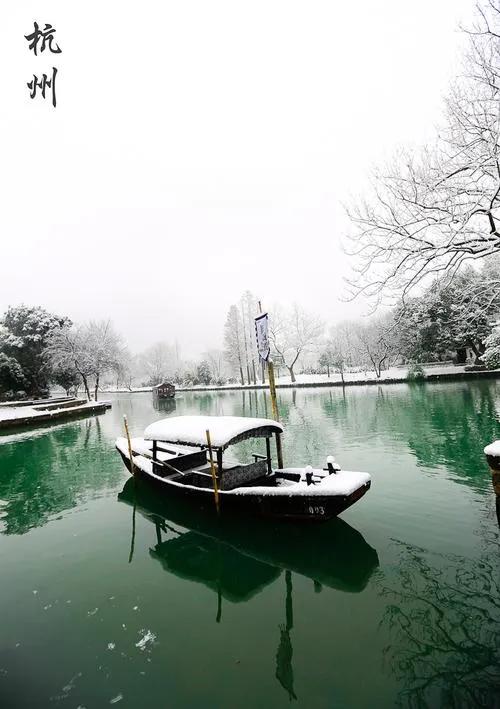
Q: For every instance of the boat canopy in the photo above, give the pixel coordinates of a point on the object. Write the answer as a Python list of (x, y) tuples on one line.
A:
[(224, 430)]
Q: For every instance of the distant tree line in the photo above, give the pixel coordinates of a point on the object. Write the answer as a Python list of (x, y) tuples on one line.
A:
[(452, 319)]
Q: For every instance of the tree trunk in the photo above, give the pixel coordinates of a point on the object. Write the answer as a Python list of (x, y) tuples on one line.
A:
[(241, 375), (86, 386), (474, 349), (253, 372), (96, 387), (292, 374), (342, 377), (328, 370)]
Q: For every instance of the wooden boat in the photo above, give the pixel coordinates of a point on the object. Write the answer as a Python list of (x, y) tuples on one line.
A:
[(173, 456), (165, 390)]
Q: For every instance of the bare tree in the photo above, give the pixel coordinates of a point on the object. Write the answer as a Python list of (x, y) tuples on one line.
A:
[(159, 362), (92, 349), (376, 343), (432, 210), (293, 333), (104, 349), (215, 359), (339, 350)]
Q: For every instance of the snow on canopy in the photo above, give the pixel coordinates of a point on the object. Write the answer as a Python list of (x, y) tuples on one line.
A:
[(191, 430)]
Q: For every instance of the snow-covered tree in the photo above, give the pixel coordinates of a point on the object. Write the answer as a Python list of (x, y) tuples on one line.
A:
[(249, 310), (233, 342), (11, 376), (376, 343), (449, 315), (93, 349), (293, 332), (66, 376), (159, 362), (215, 359), (23, 336), (432, 210), (203, 373), (338, 352), (491, 356)]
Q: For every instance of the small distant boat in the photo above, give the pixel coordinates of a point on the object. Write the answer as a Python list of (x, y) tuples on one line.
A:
[(173, 455), (165, 390)]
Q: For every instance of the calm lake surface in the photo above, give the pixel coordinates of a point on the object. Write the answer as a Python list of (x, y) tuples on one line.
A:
[(109, 596)]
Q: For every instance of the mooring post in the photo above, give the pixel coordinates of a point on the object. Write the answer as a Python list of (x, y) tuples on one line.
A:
[(129, 444), (212, 470)]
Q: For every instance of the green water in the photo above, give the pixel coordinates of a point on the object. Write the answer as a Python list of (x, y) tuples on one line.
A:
[(109, 595)]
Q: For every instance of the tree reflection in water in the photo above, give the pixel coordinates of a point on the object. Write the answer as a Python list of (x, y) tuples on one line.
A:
[(49, 473), (443, 617)]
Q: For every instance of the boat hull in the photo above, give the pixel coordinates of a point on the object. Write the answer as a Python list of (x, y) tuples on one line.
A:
[(293, 507)]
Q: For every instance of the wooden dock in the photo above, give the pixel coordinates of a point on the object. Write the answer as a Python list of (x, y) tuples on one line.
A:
[(43, 411)]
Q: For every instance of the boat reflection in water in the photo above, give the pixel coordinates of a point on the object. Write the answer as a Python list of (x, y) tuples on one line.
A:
[(168, 406), (237, 560)]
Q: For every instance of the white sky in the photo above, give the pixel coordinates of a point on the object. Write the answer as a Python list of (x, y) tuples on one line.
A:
[(200, 148)]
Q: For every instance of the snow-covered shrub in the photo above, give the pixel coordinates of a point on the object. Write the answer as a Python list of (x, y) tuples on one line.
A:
[(219, 381), (415, 372), (491, 356)]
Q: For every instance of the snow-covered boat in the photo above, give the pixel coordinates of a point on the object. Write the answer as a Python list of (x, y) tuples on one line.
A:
[(173, 454)]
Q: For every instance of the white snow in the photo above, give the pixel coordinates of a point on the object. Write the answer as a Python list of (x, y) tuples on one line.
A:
[(192, 429), (22, 412), (343, 483), (148, 637), (15, 412), (493, 449)]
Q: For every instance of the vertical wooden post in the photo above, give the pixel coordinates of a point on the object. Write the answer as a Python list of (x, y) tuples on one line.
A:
[(219, 465), (272, 389), (212, 470), (279, 451), (268, 455), (129, 445)]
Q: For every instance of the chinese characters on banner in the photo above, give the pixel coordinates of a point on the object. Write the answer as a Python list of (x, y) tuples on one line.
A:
[(40, 40), (261, 332)]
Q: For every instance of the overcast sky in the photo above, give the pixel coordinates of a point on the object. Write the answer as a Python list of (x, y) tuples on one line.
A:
[(199, 149)]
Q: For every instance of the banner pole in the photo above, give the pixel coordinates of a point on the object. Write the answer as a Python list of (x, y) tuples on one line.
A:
[(274, 398)]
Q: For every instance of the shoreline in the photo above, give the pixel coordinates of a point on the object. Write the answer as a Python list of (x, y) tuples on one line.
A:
[(429, 378)]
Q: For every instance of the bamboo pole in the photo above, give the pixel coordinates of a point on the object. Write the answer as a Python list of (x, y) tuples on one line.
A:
[(272, 389), (212, 470), (274, 404), (127, 433)]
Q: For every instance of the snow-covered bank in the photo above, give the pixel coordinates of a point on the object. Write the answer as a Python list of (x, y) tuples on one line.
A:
[(30, 415), (389, 376)]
